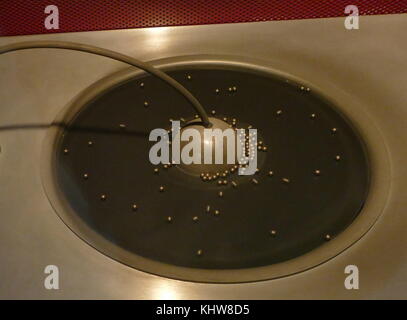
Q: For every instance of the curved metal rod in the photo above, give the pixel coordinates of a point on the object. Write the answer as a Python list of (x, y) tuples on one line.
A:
[(116, 56)]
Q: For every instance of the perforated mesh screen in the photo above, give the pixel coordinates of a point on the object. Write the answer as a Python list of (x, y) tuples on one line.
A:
[(18, 17)]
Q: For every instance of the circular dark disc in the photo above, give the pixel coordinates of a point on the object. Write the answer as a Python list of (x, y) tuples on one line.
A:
[(285, 215)]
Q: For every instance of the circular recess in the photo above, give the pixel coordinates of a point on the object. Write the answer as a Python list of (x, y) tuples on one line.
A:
[(312, 181)]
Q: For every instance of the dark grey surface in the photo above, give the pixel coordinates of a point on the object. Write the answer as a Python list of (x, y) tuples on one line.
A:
[(302, 212)]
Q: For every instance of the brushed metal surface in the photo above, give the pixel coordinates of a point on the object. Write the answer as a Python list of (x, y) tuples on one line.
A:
[(364, 70)]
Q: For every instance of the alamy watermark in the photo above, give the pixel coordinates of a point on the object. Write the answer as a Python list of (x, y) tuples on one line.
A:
[(352, 20), (190, 145), (352, 280), (52, 19), (51, 281)]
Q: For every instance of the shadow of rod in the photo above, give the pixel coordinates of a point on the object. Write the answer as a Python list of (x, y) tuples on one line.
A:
[(75, 128)]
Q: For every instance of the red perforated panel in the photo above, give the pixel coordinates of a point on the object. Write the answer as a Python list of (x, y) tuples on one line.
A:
[(19, 17)]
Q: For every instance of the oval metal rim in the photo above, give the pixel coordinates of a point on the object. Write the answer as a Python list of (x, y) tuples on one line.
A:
[(373, 208)]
